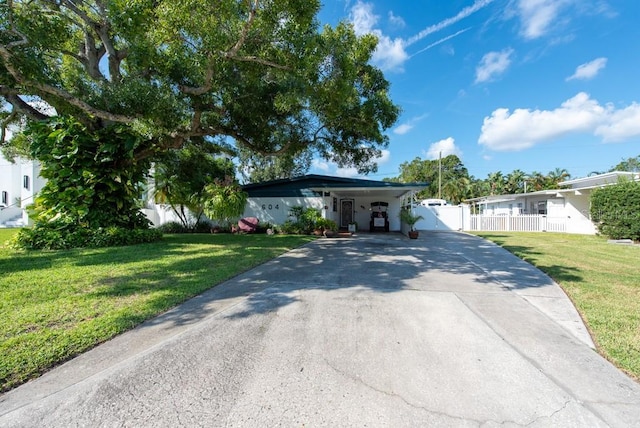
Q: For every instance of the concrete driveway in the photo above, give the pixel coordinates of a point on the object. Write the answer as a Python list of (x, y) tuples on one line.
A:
[(374, 330)]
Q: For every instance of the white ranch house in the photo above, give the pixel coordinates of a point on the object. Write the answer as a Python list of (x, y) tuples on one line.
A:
[(368, 203), (350, 200), (566, 209)]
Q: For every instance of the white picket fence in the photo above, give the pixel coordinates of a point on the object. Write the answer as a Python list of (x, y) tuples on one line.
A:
[(518, 223)]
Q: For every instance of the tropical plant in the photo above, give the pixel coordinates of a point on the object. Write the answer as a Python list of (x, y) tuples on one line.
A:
[(181, 177), (515, 181), (225, 201), (557, 176), (630, 164), (496, 182), (447, 177), (93, 178), (408, 217)]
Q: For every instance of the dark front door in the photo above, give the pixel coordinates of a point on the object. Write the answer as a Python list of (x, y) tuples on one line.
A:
[(346, 212)]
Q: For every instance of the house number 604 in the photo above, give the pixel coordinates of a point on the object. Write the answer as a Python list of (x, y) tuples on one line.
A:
[(270, 206)]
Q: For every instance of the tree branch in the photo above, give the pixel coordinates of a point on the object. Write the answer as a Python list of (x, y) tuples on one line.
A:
[(102, 29), (23, 39), (245, 30), (3, 126), (19, 105)]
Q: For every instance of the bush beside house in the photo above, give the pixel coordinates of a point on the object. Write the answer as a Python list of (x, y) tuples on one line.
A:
[(616, 210)]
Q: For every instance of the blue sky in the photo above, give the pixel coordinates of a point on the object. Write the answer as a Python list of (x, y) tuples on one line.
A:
[(505, 84)]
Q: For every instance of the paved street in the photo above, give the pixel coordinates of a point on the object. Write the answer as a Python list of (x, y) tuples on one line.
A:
[(375, 330)]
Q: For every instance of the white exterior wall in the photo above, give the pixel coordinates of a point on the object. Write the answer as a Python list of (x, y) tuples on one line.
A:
[(276, 210), (577, 209), (12, 182), (443, 217), (555, 208)]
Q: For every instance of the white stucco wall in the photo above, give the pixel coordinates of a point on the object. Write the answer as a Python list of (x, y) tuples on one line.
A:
[(276, 210), (456, 217), (577, 210), (12, 181)]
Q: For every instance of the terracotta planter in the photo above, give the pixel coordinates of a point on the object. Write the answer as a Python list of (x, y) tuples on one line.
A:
[(413, 234)]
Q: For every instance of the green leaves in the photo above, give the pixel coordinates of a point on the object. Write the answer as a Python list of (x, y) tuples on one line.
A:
[(92, 178), (262, 73), (616, 210), (225, 200)]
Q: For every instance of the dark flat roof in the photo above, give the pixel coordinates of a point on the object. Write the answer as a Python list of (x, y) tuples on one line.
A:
[(311, 185)]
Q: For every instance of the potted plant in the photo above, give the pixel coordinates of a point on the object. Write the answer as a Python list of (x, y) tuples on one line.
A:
[(353, 227), (328, 227), (406, 216)]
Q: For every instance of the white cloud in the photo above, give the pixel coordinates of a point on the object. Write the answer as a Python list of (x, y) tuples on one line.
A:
[(537, 16), (589, 70), (346, 172), (320, 165), (396, 21), (390, 54), (403, 129), (621, 125), (444, 147), (524, 128), (408, 125), (493, 64), (363, 18), (331, 168)]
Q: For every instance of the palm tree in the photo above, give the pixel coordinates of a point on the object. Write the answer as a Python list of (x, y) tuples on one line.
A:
[(456, 189), (496, 182), (515, 181), (556, 176), (538, 181)]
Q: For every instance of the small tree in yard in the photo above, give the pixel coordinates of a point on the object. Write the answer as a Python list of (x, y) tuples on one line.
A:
[(616, 210), (226, 201), (181, 179)]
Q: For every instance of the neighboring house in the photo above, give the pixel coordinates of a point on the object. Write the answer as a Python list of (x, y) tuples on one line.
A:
[(343, 200), (566, 209), (19, 182)]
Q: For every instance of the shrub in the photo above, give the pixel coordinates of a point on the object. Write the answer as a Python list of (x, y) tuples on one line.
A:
[(326, 224), (172, 227), (616, 210), (61, 235), (292, 228)]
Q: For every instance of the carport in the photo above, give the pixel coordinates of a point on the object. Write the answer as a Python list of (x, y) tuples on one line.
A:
[(347, 201)]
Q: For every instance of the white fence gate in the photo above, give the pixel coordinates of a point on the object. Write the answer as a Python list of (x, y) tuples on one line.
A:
[(518, 223)]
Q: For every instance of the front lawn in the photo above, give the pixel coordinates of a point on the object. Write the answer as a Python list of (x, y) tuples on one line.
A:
[(602, 279), (55, 305)]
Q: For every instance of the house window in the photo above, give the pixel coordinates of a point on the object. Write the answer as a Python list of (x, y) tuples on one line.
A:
[(25, 182), (542, 207), (5, 198)]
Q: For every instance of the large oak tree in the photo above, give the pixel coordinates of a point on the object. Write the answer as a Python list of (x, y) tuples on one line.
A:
[(257, 74)]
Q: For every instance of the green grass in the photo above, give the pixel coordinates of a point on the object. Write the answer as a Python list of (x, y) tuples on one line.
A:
[(602, 280), (55, 305)]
